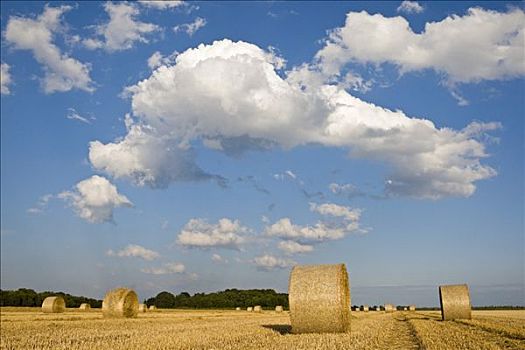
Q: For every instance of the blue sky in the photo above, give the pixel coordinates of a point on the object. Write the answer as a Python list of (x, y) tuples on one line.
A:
[(202, 146)]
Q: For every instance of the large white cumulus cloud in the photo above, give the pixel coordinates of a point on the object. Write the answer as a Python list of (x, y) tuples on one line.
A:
[(232, 95)]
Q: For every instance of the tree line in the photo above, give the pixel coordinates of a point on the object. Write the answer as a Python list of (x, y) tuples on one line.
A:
[(28, 297), (227, 299)]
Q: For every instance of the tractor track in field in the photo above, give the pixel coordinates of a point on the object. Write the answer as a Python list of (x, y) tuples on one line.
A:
[(492, 329)]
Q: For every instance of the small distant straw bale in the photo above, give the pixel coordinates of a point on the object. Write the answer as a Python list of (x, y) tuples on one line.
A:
[(85, 307), (412, 308), (249, 309), (378, 308), (319, 297), (405, 309), (364, 308), (54, 305), (279, 308), (237, 308), (143, 308), (257, 308), (120, 302), (389, 308), (152, 308), (455, 302)]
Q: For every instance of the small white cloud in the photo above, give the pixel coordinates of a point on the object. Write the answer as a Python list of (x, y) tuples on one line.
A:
[(94, 199), (5, 79), (190, 28), (72, 114), (62, 73), (270, 262), (122, 30), (332, 209), (291, 247), (346, 189), (410, 7), (198, 233), (162, 4), (320, 232), (218, 259), (134, 250), (169, 268)]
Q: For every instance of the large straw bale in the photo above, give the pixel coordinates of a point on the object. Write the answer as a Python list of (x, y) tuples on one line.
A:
[(279, 308), (85, 307), (143, 308), (120, 302), (455, 302), (319, 297), (54, 304)]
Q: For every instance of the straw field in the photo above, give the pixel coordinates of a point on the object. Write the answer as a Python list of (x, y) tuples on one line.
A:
[(30, 328)]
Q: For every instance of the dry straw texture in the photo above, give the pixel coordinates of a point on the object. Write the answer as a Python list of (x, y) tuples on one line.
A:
[(278, 308), (257, 308), (53, 305), (319, 297), (455, 302), (85, 307), (412, 308), (152, 308), (120, 302), (249, 309), (143, 308)]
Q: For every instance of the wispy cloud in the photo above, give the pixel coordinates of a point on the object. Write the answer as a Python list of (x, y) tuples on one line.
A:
[(191, 28), (135, 250), (72, 114)]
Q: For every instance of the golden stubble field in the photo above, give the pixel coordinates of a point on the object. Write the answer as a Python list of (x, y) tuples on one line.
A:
[(29, 328)]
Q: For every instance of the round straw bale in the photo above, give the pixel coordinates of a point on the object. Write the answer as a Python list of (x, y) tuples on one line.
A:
[(455, 302), (389, 308), (54, 305), (279, 308), (120, 302), (249, 309), (378, 308), (319, 297), (85, 307), (143, 308), (152, 308), (237, 308), (365, 308), (412, 308), (257, 308)]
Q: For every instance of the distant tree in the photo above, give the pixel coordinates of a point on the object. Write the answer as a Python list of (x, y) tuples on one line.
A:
[(164, 300)]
